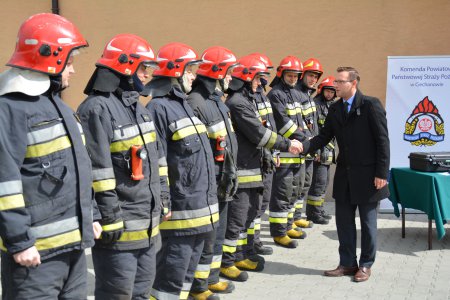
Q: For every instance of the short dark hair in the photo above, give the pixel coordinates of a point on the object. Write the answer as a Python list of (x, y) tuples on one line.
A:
[(352, 73)]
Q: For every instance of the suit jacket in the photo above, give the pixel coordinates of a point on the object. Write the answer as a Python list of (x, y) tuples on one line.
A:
[(363, 144)]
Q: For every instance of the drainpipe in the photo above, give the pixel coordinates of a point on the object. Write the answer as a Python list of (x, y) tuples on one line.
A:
[(55, 7)]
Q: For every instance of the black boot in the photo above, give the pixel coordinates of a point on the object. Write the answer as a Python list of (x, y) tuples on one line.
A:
[(263, 250), (313, 214)]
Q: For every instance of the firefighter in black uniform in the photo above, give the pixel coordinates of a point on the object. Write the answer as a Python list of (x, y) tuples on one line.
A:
[(121, 138), (268, 164), (252, 136), (326, 93), (312, 70), (213, 78), (285, 100), (46, 216), (193, 210)]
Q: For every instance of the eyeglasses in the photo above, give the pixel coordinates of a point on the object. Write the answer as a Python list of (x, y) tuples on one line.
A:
[(341, 81)]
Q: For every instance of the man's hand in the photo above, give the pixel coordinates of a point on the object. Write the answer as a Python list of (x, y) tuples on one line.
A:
[(28, 258), (379, 183), (296, 147), (167, 216), (97, 230)]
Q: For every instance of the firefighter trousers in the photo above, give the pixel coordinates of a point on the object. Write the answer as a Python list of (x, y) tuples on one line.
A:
[(124, 274), (241, 212), (63, 276), (319, 184), (176, 264), (208, 267), (255, 227), (285, 189), (305, 186)]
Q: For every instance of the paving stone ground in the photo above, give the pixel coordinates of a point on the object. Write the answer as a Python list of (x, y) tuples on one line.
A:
[(404, 268)]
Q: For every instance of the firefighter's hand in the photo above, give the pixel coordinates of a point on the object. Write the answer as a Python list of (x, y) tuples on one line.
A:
[(167, 216), (296, 147), (97, 230), (380, 183), (268, 165), (277, 161), (112, 232), (28, 258)]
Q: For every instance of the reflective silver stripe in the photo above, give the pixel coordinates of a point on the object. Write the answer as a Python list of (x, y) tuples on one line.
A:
[(286, 127), (196, 213), (10, 187), (162, 162), (55, 228), (46, 134), (278, 214), (105, 173), (250, 172), (135, 225), (265, 138), (242, 235), (252, 225), (216, 127), (164, 296), (289, 155), (257, 221), (231, 243), (314, 198), (80, 127), (147, 127), (185, 122), (231, 124), (187, 286), (217, 258), (299, 201), (292, 209), (203, 268), (125, 133)]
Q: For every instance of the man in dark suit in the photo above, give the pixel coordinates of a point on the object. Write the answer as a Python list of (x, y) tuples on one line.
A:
[(359, 124)]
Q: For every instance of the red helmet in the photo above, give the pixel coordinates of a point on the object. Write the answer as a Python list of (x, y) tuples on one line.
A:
[(216, 61), (327, 83), (173, 58), (289, 63), (125, 52), (312, 65), (44, 44), (265, 59), (249, 66)]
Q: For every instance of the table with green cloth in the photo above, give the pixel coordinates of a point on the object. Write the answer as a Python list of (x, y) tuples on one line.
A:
[(425, 191)]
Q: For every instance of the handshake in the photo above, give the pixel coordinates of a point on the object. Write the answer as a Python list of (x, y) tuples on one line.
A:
[(296, 147)]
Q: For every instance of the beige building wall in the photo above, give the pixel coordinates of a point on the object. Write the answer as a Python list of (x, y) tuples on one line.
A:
[(359, 33)]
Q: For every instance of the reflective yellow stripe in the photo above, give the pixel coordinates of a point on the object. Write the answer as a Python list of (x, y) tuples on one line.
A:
[(299, 205), (292, 160), (214, 135), (2, 247), (272, 140), (251, 231), (58, 240), (201, 274), (48, 148), (247, 179), (129, 236), (308, 111), (313, 202), (216, 264), (125, 145), (104, 185), (10, 202), (163, 171), (228, 249), (184, 295), (290, 131), (257, 226), (242, 242), (191, 223), (83, 139), (155, 231), (290, 215), (150, 137), (114, 226), (278, 220), (187, 131)]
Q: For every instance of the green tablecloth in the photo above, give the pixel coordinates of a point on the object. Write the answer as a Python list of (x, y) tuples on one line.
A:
[(428, 192)]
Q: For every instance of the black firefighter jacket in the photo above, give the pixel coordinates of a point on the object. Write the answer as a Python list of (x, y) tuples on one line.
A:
[(190, 162), (113, 122), (46, 194), (287, 112), (363, 148), (252, 136), (206, 102)]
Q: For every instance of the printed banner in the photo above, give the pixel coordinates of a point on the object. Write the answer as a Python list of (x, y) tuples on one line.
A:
[(417, 105), (417, 108)]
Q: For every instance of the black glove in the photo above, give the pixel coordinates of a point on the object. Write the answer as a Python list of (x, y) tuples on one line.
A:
[(228, 183), (112, 232), (268, 164)]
